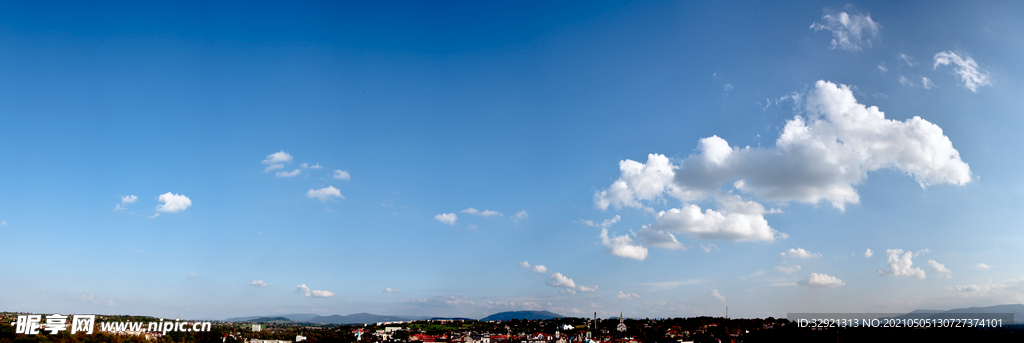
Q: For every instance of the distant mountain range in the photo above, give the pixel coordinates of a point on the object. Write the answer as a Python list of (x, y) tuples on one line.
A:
[(522, 315), (368, 318)]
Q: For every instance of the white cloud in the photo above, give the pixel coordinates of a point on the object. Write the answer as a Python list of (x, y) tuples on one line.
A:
[(258, 283), (128, 199), (485, 213), (277, 157), (173, 203), (734, 221), (819, 156), (849, 32), (982, 266), (900, 264), (922, 251), (906, 60), (926, 83), (968, 70), (708, 248), (821, 280), (315, 166), (623, 246), (537, 268), (627, 296), (390, 290), (559, 280), (521, 215), (302, 289), (447, 218), (322, 294), (869, 253), (325, 193), (342, 175), (639, 182), (882, 67), (799, 253), (273, 167), (3, 223), (714, 294), (288, 174), (488, 213), (788, 270), (940, 268)]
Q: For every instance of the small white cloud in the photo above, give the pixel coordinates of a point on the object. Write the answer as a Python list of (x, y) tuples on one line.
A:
[(906, 60), (537, 268), (883, 68), (972, 76), (342, 175), (821, 280), (520, 215), (325, 193), (447, 218), (488, 213), (926, 83), (315, 166), (788, 270), (129, 199), (485, 213), (390, 290), (869, 253), (303, 290), (258, 283), (922, 251), (708, 248), (799, 253), (714, 294), (627, 296), (173, 203), (288, 174), (940, 269), (154, 215), (3, 223), (277, 157), (727, 88), (900, 264), (982, 266), (273, 167), (623, 246), (192, 276), (559, 280), (849, 32)]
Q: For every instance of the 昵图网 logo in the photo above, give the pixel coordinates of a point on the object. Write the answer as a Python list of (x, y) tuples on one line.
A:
[(55, 323)]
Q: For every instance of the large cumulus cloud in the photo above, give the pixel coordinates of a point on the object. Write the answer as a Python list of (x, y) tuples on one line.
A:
[(821, 155)]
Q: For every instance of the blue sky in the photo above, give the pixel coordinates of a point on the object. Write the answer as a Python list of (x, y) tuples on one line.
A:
[(662, 159)]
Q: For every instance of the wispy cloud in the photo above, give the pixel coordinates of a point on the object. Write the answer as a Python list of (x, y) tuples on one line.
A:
[(971, 75), (849, 32)]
